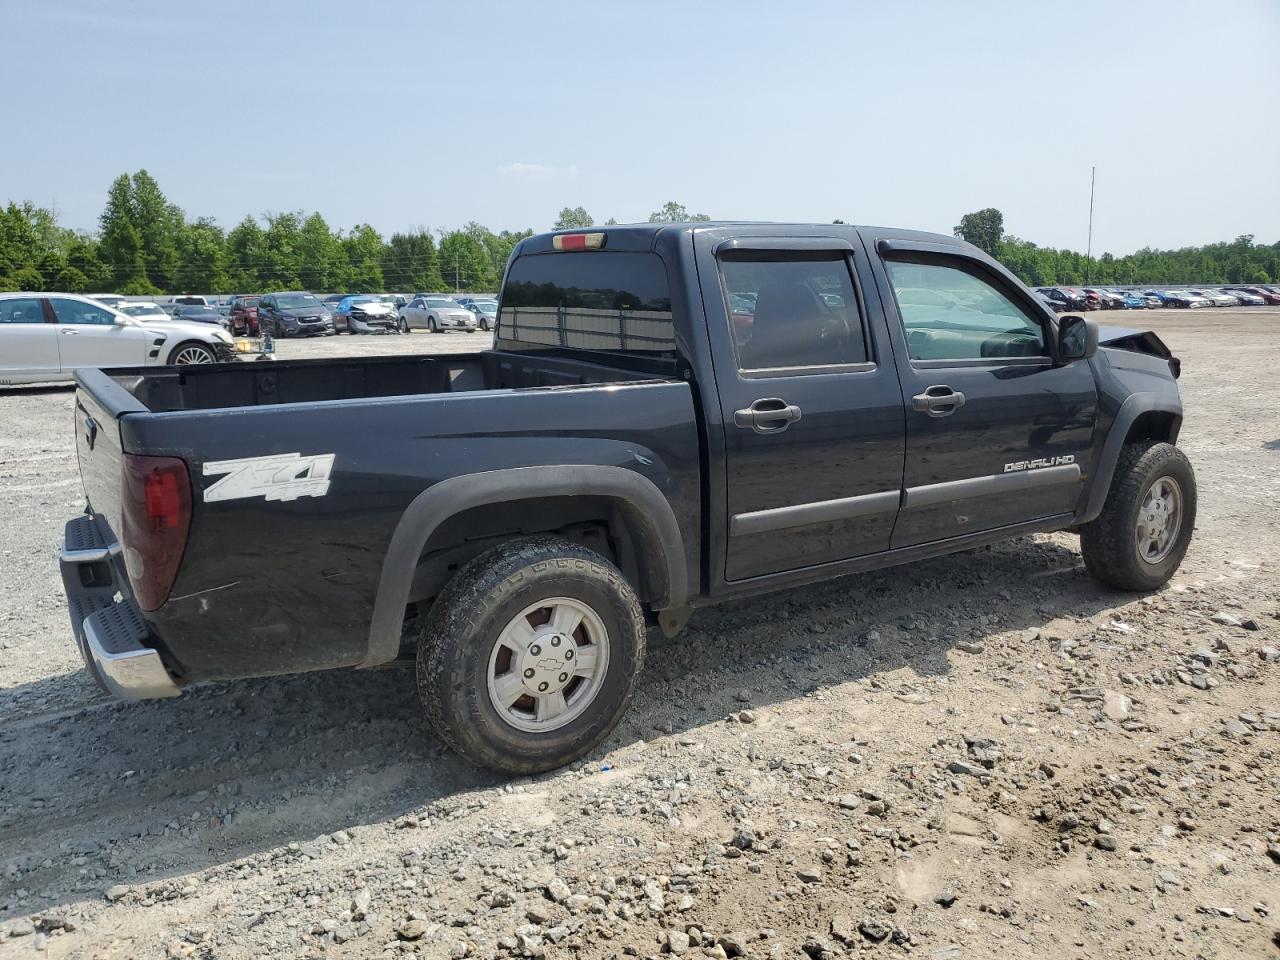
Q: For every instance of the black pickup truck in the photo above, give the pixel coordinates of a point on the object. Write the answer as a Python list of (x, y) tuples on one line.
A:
[(672, 416)]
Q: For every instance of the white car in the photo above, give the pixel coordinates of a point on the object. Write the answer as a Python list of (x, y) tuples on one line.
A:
[(145, 311), (46, 336), (436, 314), (1217, 298)]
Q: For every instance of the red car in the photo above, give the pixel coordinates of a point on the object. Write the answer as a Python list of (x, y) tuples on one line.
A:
[(244, 316), (1267, 294)]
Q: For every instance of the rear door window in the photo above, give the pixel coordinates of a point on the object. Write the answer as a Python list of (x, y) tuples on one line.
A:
[(589, 300), (793, 310), (21, 310)]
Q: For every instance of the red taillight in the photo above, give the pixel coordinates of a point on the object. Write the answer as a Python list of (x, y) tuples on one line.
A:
[(155, 516), (578, 241)]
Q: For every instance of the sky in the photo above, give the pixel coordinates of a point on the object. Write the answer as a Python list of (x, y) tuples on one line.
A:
[(412, 113)]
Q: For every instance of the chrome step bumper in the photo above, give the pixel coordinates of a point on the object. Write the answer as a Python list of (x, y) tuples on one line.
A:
[(109, 630)]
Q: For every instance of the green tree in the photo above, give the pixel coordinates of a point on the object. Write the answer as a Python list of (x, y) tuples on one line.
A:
[(279, 268), (672, 212), (573, 217), (465, 264), (364, 257), (410, 262), (202, 258), (159, 223), (322, 259), (246, 252), (983, 228)]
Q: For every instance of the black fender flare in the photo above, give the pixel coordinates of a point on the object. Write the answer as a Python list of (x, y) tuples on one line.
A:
[(646, 510), (1135, 406)]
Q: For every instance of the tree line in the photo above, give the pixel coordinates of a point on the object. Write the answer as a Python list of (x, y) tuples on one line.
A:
[(1237, 261), (145, 246)]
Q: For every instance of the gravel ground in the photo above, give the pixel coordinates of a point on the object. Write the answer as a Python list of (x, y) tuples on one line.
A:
[(981, 755)]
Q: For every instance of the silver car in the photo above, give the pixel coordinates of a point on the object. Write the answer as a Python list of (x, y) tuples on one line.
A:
[(436, 314)]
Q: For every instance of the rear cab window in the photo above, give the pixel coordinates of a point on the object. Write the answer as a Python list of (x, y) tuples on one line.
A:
[(612, 303)]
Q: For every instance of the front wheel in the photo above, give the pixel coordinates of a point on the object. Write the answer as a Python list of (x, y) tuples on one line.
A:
[(404, 325), (431, 325), (188, 353), (529, 657), (1142, 534)]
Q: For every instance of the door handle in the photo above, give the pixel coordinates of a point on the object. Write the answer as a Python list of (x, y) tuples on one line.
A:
[(69, 333), (767, 415), (938, 401)]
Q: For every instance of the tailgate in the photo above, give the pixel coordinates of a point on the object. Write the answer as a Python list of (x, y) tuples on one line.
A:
[(100, 403)]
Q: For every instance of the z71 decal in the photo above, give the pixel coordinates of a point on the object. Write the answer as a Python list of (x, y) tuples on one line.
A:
[(283, 476), (1037, 464)]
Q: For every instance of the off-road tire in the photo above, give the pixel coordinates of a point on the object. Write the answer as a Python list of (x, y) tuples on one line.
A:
[(459, 631), (1109, 543)]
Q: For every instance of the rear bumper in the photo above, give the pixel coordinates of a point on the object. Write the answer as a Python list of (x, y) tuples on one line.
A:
[(114, 641)]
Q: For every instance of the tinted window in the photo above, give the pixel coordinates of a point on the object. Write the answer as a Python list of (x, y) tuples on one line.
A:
[(24, 310), (75, 311), (951, 314), (793, 310), (614, 302)]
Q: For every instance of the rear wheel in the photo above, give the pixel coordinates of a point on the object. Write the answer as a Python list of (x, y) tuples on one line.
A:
[(530, 656), (188, 353), (1142, 534)]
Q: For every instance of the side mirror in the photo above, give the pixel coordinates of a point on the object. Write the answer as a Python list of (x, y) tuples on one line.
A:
[(1077, 338)]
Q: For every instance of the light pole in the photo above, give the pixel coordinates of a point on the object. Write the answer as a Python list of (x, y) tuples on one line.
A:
[(1088, 254)]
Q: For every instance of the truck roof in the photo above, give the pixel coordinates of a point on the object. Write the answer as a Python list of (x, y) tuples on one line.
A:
[(644, 236)]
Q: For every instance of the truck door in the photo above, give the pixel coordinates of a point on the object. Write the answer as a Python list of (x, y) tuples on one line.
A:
[(998, 432), (811, 410)]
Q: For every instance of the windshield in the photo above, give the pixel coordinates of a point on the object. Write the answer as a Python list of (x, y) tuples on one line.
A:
[(440, 302), (488, 306), (296, 301), (140, 310)]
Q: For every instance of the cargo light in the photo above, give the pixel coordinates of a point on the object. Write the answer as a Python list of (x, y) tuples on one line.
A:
[(578, 241), (155, 516)]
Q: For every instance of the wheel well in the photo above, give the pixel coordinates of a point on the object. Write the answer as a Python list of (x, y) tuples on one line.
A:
[(599, 523), (1154, 425)]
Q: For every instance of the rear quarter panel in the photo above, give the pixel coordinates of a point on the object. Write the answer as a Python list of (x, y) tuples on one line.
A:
[(281, 586)]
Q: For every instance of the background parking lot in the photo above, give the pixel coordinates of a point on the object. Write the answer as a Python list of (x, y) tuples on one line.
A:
[(983, 754)]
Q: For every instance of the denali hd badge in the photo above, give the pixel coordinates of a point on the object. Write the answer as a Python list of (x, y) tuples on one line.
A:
[(283, 476), (1040, 462)]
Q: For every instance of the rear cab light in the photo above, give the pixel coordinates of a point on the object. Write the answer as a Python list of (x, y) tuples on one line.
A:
[(155, 518), (578, 241)]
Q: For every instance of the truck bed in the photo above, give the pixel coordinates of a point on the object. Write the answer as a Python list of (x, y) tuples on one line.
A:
[(163, 389)]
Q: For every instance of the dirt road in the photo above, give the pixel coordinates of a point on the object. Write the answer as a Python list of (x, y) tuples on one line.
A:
[(981, 755)]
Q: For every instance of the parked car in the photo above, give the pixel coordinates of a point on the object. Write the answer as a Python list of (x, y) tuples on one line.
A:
[(436, 314), (485, 311), (365, 313), (1136, 301), (294, 313), (144, 311), (48, 336), (1106, 299), (190, 300), (1246, 298), (520, 515), (1262, 293), (1063, 302), (1178, 299), (1215, 298), (243, 315), (196, 313)]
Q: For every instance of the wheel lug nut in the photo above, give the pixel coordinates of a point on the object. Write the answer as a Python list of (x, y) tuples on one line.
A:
[(564, 677), (542, 687), (568, 654), (535, 649), (555, 641), (529, 674)]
